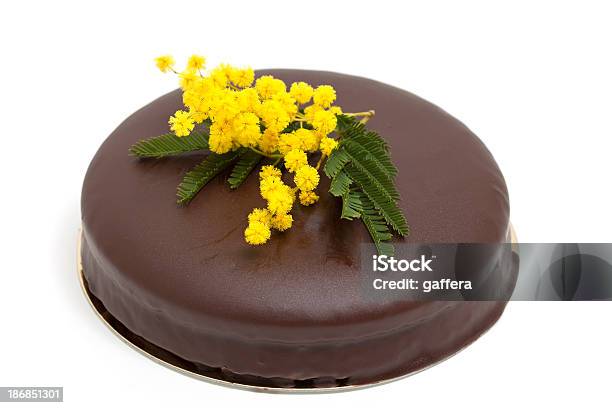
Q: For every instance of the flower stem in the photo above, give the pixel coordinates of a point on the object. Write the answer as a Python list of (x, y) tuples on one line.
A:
[(368, 114), (318, 166), (271, 156)]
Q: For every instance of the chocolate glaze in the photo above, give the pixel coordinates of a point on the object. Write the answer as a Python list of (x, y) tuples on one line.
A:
[(185, 280)]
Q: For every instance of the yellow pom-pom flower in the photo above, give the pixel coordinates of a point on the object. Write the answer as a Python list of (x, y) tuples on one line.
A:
[(308, 198), (267, 86), (269, 141), (224, 107), (220, 139), (274, 116), (301, 92), (328, 145), (280, 200), (306, 178), (310, 111), (288, 142), (336, 110), (246, 129), (165, 63), (197, 116), (324, 96), (248, 137), (257, 233), (287, 103), (242, 77), (260, 215), (270, 184), (281, 222), (269, 171), (181, 123), (295, 159), (219, 76), (187, 79), (324, 122), (308, 139), (248, 100), (196, 62)]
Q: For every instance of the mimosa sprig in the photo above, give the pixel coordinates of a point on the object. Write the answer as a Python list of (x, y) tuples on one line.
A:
[(241, 122)]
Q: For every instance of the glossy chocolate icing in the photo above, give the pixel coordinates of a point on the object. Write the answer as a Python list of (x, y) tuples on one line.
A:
[(291, 310)]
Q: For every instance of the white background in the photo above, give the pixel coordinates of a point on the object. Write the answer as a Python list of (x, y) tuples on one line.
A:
[(532, 79)]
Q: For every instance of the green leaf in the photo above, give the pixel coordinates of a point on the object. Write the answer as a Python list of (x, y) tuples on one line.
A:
[(245, 165), (371, 151), (368, 141), (355, 134), (380, 199), (376, 226), (350, 127), (169, 145), (364, 156), (362, 173), (340, 184), (371, 167), (352, 206), (196, 178), (336, 162)]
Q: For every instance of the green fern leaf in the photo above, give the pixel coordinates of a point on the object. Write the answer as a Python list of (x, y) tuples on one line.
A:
[(169, 145), (371, 151), (351, 205), (364, 157), (376, 226), (196, 178), (380, 199), (340, 184), (371, 167), (353, 131), (350, 127), (243, 168), (366, 142), (344, 123), (336, 161)]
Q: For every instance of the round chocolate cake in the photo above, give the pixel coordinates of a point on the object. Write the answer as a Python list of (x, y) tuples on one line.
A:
[(183, 284)]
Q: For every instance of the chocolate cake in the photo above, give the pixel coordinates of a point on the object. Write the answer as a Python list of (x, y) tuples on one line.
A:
[(182, 283)]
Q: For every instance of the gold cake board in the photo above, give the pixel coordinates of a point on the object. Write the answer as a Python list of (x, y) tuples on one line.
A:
[(101, 312)]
